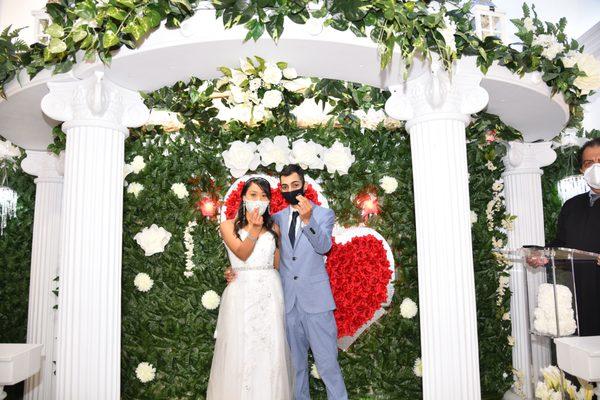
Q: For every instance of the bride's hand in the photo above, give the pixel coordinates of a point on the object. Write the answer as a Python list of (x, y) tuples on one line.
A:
[(254, 219)]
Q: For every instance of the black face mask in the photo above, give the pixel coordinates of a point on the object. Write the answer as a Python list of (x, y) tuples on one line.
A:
[(290, 197)]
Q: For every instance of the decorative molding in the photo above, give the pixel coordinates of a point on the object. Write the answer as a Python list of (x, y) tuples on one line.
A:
[(528, 158), (95, 101), (44, 165), (439, 92)]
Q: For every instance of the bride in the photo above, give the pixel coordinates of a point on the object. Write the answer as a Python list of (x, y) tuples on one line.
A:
[(251, 358)]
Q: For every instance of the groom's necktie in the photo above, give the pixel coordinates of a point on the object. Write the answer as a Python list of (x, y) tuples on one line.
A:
[(292, 233)]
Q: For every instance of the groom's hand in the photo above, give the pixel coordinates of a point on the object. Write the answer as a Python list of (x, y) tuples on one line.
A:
[(229, 275), (304, 208)]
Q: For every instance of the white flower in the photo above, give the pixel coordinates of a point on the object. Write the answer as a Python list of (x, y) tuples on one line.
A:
[(246, 66), (448, 32), (272, 98), (238, 94), (298, 85), (135, 188), (259, 113), (238, 77), (210, 300), (310, 113), (180, 190), (290, 73), (589, 65), (497, 243), (145, 372), (143, 282), (408, 308), (255, 84), (473, 217), (370, 119), (338, 158), (127, 169), (314, 372), (307, 154), (433, 7), (153, 239), (498, 185), (528, 24), (225, 114), (241, 157), (8, 150), (272, 74), (388, 184), (549, 43), (242, 113), (511, 340), (275, 151), (490, 165), (506, 316), (418, 367), (167, 119), (137, 164), (188, 274)]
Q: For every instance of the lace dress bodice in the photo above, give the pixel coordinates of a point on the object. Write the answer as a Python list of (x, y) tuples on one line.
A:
[(262, 256)]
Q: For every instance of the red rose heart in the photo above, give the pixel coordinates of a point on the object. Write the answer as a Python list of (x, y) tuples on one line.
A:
[(361, 269)]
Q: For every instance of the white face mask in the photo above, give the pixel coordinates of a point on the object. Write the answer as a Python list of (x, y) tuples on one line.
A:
[(261, 205), (592, 176)]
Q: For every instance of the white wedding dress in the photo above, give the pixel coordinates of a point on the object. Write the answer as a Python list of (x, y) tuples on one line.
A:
[(251, 359)]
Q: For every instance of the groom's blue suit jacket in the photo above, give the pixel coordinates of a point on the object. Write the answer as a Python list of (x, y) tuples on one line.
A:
[(302, 267)]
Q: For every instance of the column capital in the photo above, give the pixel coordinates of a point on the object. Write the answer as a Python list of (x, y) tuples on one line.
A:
[(94, 101), (46, 166), (527, 158), (439, 94)]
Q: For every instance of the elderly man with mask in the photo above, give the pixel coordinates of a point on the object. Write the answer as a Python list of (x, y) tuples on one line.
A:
[(579, 228)]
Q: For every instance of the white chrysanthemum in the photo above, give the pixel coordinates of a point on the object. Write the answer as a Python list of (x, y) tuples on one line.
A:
[(298, 85), (241, 157), (180, 190), (388, 184), (8, 150), (276, 151), (153, 239), (272, 98), (307, 154), (210, 300), (370, 119), (137, 164), (418, 367), (314, 372), (338, 158), (528, 24), (473, 217), (290, 73), (143, 282), (145, 372), (272, 74), (310, 113), (408, 308), (135, 188)]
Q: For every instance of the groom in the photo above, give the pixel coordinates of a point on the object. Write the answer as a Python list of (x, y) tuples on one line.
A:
[(305, 239)]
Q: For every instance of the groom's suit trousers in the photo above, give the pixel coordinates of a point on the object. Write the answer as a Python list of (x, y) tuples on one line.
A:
[(318, 332)]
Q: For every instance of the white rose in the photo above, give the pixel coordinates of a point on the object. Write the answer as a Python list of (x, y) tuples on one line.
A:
[(135, 188), (370, 119), (290, 73), (590, 65), (242, 113), (418, 367), (238, 94), (275, 151), (388, 184), (153, 239), (180, 190), (298, 85), (259, 113), (307, 154), (255, 84), (210, 300), (314, 372), (240, 158), (137, 164), (408, 308), (272, 98), (272, 74), (528, 24), (238, 77), (338, 158), (145, 372), (143, 282), (310, 113), (8, 150)]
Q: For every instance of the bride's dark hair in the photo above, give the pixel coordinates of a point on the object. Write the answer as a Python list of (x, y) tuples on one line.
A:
[(241, 221)]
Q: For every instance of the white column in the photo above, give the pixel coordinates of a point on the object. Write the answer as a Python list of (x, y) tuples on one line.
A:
[(523, 194), (44, 266), (437, 111), (96, 113)]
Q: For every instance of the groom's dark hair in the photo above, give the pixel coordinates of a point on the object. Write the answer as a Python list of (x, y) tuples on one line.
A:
[(293, 169)]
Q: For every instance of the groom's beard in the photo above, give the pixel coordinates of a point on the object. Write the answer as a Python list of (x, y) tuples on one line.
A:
[(290, 196)]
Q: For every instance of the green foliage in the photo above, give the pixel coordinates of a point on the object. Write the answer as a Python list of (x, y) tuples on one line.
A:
[(13, 56)]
